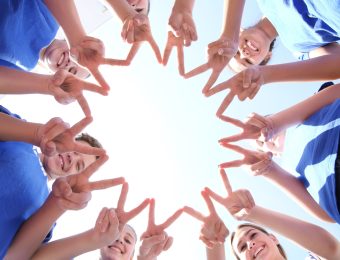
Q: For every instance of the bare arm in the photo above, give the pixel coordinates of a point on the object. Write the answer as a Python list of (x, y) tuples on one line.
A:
[(184, 5), (216, 253), (122, 8), (307, 235), (233, 10)]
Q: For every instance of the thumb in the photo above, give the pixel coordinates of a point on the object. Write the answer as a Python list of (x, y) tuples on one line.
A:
[(59, 77), (74, 53)]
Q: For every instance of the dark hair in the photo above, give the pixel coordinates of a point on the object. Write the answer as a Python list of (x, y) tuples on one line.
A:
[(266, 59), (139, 10), (326, 85), (84, 137), (281, 250)]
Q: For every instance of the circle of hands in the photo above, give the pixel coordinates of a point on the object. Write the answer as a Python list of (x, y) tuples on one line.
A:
[(56, 136)]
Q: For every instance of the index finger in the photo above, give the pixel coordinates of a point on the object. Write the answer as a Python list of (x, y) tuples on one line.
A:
[(194, 213), (92, 168), (87, 149), (99, 78), (208, 201), (123, 195), (155, 48), (171, 219), (225, 104), (151, 220), (226, 182), (236, 148), (133, 51), (84, 105), (212, 79), (167, 50), (200, 69), (79, 126), (180, 58), (134, 212), (103, 184)]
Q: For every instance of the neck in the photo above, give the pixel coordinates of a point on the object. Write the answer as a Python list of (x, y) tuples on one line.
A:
[(267, 27)]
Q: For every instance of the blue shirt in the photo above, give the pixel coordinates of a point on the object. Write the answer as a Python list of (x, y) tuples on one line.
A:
[(26, 26), (304, 25), (23, 187), (311, 148)]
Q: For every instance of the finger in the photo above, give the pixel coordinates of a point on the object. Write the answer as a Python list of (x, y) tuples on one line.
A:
[(94, 88), (218, 88), (223, 232), (254, 92), (207, 242), (232, 164), (103, 184), (200, 69), (180, 59), (151, 220), (49, 148), (115, 62), (99, 78), (84, 105), (87, 149), (226, 182), (155, 48), (236, 148), (212, 79), (208, 201), (80, 126), (247, 78), (172, 219), (130, 32), (215, 196), (54, 131), (133, 51), (168, 243), (149, 242), (250, 200), (105, 223), (233, 121), (225, 104), (93, 167), (194, 213), (245, 93), (100, 218), (69, 205), (61, 188), (134, 212), (167, 50), (122, 196), (96, 46), (78, 198)]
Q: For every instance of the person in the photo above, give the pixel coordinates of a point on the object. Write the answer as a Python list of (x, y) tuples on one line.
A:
[(23, 168), (182, 32), (311, 149)]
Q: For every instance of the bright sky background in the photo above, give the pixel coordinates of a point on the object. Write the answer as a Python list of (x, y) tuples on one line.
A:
[(161, 133)]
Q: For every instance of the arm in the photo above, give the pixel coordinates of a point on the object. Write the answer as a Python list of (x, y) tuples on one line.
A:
[(44, 218), (307, 235), (216, 253), (301, 111), (122, 8), (324, 66)]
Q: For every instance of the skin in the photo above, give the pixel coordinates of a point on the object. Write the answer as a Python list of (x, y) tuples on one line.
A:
[(122, 248), (64, 164), (250, 243), (141, 6), (57, 56)]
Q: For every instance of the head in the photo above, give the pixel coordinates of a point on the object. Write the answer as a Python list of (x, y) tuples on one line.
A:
[(141, 6), (57, 56), (253, 242), (255, 48), (326, 85), (123, 248), (70, 163)]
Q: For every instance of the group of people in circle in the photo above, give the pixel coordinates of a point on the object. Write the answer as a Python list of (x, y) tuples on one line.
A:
[(309, 28)]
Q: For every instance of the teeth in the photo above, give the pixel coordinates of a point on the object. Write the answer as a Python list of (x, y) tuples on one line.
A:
[(252, 46), (61, 162), (258, 251), (61, 59)]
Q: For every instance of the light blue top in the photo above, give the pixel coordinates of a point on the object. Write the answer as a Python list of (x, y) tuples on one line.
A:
[(304, 25), (26, 26), (311, 149), (23, 187)]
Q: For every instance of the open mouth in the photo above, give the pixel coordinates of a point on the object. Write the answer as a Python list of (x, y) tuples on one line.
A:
[(252, 46), (62, 162), (115, 248), (258, 251)]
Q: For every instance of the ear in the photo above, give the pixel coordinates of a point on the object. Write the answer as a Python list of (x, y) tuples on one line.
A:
[(274, 239)]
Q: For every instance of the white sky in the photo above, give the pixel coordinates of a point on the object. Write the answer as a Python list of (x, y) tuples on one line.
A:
[(161, 133)]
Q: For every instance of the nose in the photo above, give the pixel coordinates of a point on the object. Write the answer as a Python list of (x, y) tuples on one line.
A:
[(251, 244), (119, 241), (244, 53)]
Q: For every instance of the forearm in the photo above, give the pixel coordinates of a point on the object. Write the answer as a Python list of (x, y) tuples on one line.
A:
[(184, 5), (295, 189), (233, 10), (302, 110), (67, 248), (34, 230), (67, 16), (122, 8), (321, 68), (216, 253), (14, 129), (21, 82), (307, 235)]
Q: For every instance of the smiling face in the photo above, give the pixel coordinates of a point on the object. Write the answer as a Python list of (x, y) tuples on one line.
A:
[(65, 164), (57, 56), (251, 243), (253, 48), (121, 249), (141, 6)]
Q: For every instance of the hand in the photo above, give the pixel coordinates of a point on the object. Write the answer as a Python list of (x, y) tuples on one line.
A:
[(56, 136), (239, 203), (244, 84), (177, 42), (90, 53), (132, 53), (74, 191), (183, 26), (106, 229), (66, 88), (257, 162), (213, 229), (123, 216), (219, 54), (137, 29), (156, 239)]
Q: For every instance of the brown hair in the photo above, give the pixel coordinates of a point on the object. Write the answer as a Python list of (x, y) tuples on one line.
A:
[(281, 250), (84, 137)]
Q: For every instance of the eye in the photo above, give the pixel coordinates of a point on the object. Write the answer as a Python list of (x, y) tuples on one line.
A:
[(253, 235), (243, 247), (78, 167), (128, 241), (139, 10), (73, 70), (249, 61)]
